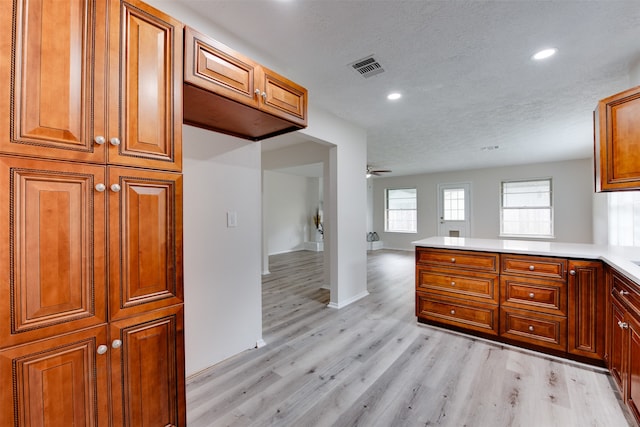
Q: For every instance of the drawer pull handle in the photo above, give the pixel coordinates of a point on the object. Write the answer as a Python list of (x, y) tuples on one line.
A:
[(453, 283), (572, 272), (532, 295), (453, 312), (623, 325), (453, 260), (102, 349), (531, 268), (623, 292), (531, 328)]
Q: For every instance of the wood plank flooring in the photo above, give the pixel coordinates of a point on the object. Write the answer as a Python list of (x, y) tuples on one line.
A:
[(371, 364)]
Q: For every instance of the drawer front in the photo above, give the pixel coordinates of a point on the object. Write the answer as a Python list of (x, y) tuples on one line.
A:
[(533, 266), (534, 328), (479, 286), (626, 292), (534, 294), (477, 317), (478, 261)]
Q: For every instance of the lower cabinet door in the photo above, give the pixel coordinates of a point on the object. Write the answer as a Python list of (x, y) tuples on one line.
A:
[(147, 369), (587, 307), (633, 371), (61, 381), (617, 343)]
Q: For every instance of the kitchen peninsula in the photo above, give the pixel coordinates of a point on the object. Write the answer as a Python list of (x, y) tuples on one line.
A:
[(578, 301)]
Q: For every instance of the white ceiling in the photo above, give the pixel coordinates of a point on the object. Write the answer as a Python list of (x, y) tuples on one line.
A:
[(463, 67)]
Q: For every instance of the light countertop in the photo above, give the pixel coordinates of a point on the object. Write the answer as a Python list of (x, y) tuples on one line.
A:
[(620, 257)]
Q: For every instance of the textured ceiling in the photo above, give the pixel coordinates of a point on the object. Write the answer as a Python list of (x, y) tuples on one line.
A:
[(463, 67)]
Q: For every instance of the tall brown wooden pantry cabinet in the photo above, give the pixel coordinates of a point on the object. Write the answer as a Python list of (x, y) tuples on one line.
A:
[(91, 303)]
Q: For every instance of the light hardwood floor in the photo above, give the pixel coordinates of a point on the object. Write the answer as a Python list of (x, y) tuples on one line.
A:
[(371, 364)]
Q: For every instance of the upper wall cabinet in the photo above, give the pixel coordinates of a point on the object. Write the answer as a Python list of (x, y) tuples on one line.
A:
[(94, 81), (617, 142), (227, 92)]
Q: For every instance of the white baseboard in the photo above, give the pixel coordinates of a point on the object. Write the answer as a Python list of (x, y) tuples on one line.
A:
[(314, 246), (374, 246), (260, 343), (348, 301)]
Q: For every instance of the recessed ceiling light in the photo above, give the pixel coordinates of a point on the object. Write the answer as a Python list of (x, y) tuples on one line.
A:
[(544, 54), (394, 95)]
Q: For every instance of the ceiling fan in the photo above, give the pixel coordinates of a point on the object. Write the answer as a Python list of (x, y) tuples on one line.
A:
[(377, 172)]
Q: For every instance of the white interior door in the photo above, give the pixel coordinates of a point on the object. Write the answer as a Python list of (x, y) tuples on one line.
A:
[(454, 219)]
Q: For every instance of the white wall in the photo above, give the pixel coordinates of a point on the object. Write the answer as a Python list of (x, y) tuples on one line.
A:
[(286, 209), (345, 205), (315, 202), (572, 200), (223, 311)]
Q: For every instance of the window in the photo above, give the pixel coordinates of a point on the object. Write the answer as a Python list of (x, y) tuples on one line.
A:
[(401, 210), (624, 218), (526, 208), (453, 209)]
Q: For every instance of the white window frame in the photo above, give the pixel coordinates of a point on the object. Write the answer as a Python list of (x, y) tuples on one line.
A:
[(550, 208), (386, 211)]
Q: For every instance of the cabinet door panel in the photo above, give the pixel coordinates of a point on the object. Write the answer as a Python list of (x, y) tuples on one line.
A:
[(633, 370), (57, 87), (149, 115), (145, 232), (284, 98), (617, 142), (587, 296), (148, 369), (54, 261), (56, 382), (617, 344)]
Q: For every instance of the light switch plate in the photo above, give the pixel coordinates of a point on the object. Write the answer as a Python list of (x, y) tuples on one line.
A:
[(232, 219)]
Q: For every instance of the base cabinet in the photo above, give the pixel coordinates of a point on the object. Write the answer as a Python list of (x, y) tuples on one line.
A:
[(458, 288), (545, 303), (623, 340)]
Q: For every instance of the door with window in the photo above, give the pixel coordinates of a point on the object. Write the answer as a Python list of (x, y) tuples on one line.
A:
[(453, 210)]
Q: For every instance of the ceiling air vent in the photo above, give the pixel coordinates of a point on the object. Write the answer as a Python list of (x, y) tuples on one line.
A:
[(367, 67)]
